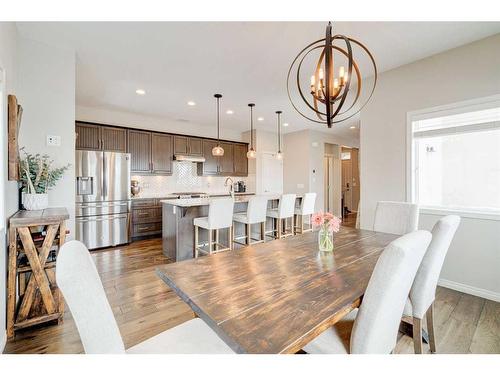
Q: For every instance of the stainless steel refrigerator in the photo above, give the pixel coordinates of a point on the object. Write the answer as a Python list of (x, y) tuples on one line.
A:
[(102, 207)]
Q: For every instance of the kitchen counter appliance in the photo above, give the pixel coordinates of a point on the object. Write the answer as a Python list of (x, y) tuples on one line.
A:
[(102, 207)]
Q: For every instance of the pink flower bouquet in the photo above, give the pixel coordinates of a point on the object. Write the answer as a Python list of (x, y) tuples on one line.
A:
[(327, 224)]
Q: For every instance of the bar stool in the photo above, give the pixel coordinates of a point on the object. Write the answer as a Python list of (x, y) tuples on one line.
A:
[(220, 216), (306, 209), (256, 214), (285, 210)]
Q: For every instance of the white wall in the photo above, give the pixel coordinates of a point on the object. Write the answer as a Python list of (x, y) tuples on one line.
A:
[(138, 121), (8, 37), (303, 161), (46, 89), (468, 72)]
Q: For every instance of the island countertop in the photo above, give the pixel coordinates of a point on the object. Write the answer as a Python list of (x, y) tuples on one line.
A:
[(195, 202)]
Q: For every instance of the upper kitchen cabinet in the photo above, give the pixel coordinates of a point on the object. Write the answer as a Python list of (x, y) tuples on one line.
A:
[(211, 165), (139, 147), (191, 146), (161, 153), (98, 137), (113, 139), (88, 136), (226, 161), (240, 159)]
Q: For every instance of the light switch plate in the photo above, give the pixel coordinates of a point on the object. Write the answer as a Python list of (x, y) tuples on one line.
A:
[(53, 140), (300, 186)]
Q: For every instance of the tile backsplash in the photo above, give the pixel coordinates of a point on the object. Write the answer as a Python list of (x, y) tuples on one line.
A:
[(185, 179)]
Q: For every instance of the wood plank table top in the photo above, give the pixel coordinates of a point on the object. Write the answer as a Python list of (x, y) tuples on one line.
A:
[(277, 296), (47, 216)]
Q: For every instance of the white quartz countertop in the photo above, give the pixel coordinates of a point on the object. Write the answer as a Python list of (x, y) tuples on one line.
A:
[(206, 201), (175, 196)]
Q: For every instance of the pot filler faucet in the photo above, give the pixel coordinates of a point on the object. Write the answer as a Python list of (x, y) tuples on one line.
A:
[(230, 186)]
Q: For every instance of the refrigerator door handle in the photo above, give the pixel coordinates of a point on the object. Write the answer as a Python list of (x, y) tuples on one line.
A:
[(105, 178)]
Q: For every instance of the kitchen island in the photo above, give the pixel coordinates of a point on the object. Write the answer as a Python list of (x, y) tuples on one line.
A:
[(178, 228)]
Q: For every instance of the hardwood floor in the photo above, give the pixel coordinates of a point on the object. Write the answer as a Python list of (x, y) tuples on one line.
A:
[(350, 220), (144, 306)]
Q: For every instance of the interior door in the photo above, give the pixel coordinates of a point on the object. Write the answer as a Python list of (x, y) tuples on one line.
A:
[(272, 174)]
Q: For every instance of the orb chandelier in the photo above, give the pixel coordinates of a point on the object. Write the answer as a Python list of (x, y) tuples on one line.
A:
[(218, 150), (332, 98), (279, 154), (251, 154)]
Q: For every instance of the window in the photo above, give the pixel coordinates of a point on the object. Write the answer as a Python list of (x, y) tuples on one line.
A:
[(455, 157)]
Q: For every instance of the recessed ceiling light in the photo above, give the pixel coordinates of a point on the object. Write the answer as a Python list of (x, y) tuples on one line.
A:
[(140, 92), (352, 127), (285, 124), (229, 112), (191, 103), (260, 118)]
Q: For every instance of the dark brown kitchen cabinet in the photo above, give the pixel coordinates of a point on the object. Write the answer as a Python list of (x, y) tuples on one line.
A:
[(226, 162), (184, 145), (88, 137), (240, 159), (113, 139), (161, 153), (139, 147), (211, 165), (97, 137)]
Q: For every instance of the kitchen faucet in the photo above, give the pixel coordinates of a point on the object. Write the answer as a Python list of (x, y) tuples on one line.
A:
[(230, 186)]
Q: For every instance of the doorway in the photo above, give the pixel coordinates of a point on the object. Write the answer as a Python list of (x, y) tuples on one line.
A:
[(332, 180), (350, 184)]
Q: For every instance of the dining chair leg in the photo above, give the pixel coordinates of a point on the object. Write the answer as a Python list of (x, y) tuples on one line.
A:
[(263, 231), (249, 233), (210, 240), (196, 241), (230, 235), (301, 223), (417, 335), (279, 228), (430, 327)]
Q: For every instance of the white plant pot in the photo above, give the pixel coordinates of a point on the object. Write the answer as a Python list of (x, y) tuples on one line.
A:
[(35, 201)]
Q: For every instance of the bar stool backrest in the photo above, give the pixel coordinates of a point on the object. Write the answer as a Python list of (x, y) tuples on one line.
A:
[(286, 207), (220, 213), (257, 208), (308, 202)]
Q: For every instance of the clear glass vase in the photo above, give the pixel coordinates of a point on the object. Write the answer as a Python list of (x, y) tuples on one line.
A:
[(325, 239)]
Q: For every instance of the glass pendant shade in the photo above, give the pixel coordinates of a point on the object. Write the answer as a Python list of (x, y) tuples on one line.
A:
[(218, 151), (251, 154), (279, 155)]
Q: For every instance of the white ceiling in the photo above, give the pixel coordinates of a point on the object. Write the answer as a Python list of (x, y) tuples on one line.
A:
[(245, 61)]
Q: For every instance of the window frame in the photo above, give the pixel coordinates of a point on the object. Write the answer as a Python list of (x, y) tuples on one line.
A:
[(444, 110)]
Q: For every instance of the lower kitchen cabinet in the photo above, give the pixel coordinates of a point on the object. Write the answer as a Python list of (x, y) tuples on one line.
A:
[(146, 217)]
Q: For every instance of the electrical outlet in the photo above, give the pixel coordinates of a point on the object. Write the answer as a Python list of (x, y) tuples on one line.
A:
[(53, 140)]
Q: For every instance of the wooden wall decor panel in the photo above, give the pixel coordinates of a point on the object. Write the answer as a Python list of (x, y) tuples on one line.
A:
[(15, 112)]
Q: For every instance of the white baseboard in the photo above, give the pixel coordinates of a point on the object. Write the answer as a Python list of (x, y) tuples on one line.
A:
[(488, 294), (3, 340)]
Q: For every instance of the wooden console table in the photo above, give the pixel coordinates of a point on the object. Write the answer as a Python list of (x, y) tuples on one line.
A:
[(32, 294)]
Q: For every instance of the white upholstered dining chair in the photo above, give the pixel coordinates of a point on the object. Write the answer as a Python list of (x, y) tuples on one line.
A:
[(396, 217), (79, 282), (373, 328), (420, 304)]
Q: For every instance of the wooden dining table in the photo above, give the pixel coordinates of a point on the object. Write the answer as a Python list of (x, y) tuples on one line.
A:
[(277, 296)]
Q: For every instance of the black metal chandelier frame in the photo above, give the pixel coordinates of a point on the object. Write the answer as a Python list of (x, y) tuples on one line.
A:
[(333, 98)]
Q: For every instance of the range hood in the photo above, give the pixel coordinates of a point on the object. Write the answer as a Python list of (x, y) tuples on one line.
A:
[(194, 159)]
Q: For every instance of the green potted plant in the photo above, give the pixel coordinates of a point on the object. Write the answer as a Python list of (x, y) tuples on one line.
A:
[(37, 177)]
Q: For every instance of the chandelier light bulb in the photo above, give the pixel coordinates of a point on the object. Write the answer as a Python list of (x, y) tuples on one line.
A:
[(279, 155), (251, 154)]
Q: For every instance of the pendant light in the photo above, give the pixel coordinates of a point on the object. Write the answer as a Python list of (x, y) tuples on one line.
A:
[(279, 154), (218, 150), (251, 153), (333, 97)]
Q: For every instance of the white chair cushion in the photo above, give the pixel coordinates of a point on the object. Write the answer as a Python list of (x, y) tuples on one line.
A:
[(191, 337), (336, 339), (298, 211), (396, 217), (201, 222), (274, 213), (240, 217)]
